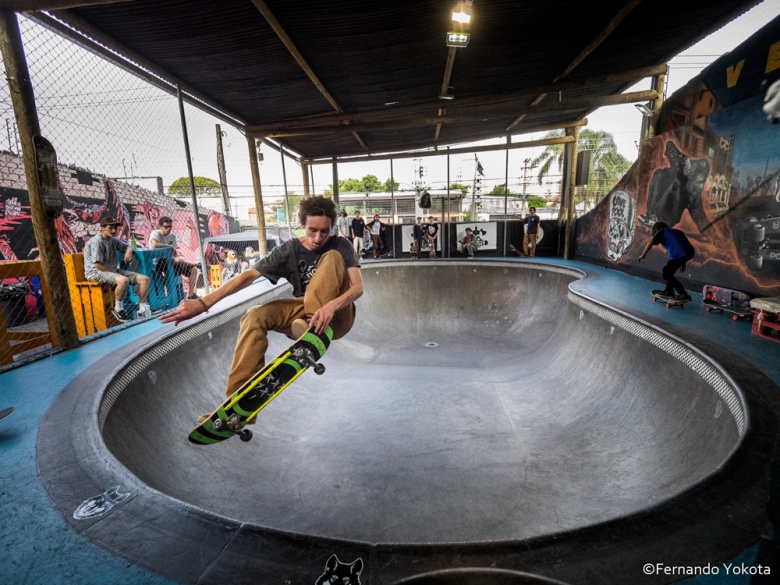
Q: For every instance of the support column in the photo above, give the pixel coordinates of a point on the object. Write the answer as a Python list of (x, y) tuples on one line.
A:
[(572, 168), (336, 183), (262, 247), (65, 335), (203, 264), (305, 173), (506, 191), (286, 195), (222, 172), (254, 167), (392, 206), (659, 83)]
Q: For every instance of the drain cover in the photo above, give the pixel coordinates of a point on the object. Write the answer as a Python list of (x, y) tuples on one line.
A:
[(431, 344)]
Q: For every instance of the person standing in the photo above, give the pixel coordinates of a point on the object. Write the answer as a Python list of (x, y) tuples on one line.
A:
[(680, 251), (100, 265), (531, 231), (376, 234), (343, 225), (417, 235), (358, 231), (165, 238), (432, 232)]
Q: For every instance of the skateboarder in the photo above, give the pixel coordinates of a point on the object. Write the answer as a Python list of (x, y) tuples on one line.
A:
[(100, 265), (531, 222), (680, 251), (324, 273)]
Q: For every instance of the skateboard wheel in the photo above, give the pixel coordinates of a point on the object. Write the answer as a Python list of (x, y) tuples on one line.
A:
[(218, 424), (245, 435), (319, 369), (655, 299), (668, 305), (708, 309), (735, 317)]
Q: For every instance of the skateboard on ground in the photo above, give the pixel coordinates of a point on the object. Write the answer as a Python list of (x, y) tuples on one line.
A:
[(413, 251), (6, 411), (432, 252), (717, 298), (516, 251), (671, 301), (231, 416)]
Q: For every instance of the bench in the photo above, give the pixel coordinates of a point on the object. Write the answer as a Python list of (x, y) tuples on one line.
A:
[(92, 302)]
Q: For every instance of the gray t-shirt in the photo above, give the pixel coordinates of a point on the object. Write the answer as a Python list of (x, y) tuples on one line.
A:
[(169, 240), (103, 251), (297, 264)]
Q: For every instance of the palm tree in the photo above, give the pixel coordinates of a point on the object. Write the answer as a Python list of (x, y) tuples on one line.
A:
[(607, 166)]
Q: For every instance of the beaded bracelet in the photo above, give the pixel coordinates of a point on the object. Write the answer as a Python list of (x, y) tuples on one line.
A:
[(202, 304)]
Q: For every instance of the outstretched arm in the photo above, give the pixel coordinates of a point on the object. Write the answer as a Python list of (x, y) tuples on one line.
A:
[(188, 309), (650, 244)]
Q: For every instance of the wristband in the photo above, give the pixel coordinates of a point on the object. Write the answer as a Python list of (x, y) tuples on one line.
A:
[(202, 304)]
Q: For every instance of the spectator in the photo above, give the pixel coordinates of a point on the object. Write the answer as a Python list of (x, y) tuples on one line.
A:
[(417, 235), (101, 265), (468, 244), (358, 231), (249, 258), (164, 238), (431, 232), (343, 225), (531, 231), (376, 237), (231, 267)]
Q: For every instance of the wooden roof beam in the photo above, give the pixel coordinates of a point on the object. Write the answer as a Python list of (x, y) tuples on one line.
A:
[(431, 106), (491, 112), (611, 26), (30, 5), (287, 41)]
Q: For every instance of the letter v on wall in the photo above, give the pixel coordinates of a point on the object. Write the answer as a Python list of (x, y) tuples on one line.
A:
[(732, 74)]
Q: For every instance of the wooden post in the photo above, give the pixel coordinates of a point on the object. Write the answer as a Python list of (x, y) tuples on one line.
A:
[(572, 168), (336, 182), (262, 248), (45, 232), (659, 81), (222, 172), (305, 173)]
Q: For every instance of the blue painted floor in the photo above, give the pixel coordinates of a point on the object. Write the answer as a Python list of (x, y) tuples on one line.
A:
[(37, 546)]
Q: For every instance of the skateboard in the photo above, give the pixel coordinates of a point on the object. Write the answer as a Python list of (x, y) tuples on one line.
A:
[(658, 295), (231, 416), (413, 251), (432, 253), (516, 251), (717, 298), (6, 411)]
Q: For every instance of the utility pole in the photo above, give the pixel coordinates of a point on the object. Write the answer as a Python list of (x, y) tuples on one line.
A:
[(222, 172)]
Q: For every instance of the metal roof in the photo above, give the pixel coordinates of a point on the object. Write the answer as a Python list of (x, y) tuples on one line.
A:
[(335, 78)]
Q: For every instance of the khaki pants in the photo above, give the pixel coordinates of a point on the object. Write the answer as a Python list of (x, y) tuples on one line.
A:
[(529, 245), (330, 281)]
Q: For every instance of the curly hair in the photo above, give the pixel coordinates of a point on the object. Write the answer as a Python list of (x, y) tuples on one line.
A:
[(657, 227), (317, 206)]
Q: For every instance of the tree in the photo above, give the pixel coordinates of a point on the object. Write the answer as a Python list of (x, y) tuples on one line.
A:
[(607, 166), (390, 185), (368, 184), (204, 187), (463, 188), (501, 190)]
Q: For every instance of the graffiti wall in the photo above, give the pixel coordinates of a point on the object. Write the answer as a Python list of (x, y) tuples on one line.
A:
[(713, 171), (88, 198)]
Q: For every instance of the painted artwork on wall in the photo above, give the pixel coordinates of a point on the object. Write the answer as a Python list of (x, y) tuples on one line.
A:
[(88, 198), (713, 171)]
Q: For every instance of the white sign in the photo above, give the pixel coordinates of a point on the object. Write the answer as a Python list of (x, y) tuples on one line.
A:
[(485, 233)]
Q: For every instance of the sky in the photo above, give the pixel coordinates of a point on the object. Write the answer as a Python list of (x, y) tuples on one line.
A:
[(104, 119)]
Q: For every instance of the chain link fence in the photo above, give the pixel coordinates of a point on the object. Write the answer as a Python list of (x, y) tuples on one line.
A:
[(121, 155)]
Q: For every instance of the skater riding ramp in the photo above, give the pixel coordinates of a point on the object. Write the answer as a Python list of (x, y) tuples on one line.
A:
[(471, 402)]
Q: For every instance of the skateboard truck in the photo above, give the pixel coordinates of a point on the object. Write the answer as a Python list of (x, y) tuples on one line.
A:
[(233, 425), (304, 357)]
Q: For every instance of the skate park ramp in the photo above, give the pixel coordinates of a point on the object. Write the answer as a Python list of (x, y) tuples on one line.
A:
[(471, 402)]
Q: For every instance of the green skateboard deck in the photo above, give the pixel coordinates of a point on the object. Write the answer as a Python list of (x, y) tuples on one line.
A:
[(232, 415)]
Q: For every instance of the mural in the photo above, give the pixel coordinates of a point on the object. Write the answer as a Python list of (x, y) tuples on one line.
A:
[(88, 198), (713, 171)]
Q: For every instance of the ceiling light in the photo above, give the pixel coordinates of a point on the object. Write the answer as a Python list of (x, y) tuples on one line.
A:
[(462, 12), (457, 39), (446, 96)]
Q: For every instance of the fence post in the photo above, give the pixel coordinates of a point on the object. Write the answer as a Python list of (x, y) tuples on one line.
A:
[(262, 243), (203, 264), (572, 168), (52, 265)]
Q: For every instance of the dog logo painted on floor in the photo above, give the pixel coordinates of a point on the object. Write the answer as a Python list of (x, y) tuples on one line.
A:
[(96, 506), (338, 573)]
